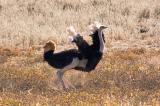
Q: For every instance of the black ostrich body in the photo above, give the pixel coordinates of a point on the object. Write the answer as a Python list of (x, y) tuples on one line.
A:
[(61, 59), (90, 52)]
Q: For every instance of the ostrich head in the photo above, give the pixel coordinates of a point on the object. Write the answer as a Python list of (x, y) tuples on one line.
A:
[(95, 28), (50, 45)]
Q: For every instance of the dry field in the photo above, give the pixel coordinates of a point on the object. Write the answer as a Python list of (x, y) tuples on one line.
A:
[(128, 75)]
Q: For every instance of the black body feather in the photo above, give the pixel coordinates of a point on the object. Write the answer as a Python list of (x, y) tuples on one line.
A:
[(96, 41), (61, 59), (90, 52), (83, 46)]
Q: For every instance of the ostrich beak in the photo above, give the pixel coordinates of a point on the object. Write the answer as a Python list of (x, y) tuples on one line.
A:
[(103, 27)]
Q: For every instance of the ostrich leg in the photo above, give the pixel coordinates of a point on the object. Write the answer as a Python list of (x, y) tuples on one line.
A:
[(60, 74), (68, 84), (65, 83)]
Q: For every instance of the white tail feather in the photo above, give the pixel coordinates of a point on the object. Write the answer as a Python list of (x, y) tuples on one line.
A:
[(72, 31), (70, 38)]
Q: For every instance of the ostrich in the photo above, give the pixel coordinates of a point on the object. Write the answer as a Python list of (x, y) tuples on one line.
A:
[(62, 61), (93, 53), (85, 58)]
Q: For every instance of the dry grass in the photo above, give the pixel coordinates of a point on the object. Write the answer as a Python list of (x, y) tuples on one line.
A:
[(28, 22), (128, 75), (124, 77)]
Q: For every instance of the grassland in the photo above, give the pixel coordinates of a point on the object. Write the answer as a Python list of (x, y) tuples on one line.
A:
[(128, 75)]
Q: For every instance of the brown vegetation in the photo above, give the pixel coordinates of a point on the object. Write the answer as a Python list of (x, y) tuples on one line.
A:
[(127, 77)]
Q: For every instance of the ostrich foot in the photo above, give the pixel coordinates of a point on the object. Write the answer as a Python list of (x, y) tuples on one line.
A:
[(68, 85)]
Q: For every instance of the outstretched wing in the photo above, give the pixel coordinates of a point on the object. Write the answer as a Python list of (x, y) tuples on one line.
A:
[(82, 45)]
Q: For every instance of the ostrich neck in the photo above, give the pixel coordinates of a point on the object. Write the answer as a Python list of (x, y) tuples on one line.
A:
[(101, 41)]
